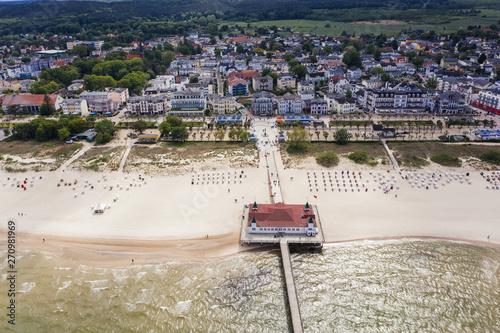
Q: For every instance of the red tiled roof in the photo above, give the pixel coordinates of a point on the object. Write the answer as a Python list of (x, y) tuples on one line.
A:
[(235, 81), (239, 39), (27, 99), (336, 78), (280, 215)]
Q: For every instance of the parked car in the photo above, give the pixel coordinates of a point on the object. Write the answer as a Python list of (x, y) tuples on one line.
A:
[(69, 141)]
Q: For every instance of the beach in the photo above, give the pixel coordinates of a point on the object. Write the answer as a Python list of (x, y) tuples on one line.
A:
[(167, 217)]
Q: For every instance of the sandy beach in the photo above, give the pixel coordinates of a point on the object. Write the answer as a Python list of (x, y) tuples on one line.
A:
[(165, 200), (166, 218)]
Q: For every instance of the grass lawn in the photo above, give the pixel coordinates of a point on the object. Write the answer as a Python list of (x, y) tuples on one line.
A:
[(188, 148), (39, 155), (486, 18), (100, 158), (416, 154), (374, 149), (50, 149)]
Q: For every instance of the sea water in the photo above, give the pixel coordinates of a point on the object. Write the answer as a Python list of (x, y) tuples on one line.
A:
[(383, 286)]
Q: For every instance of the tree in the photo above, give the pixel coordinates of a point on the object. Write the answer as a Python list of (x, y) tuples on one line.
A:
[(165, 128), (6, 131), (377, 54), (431, 83), (298, 138), (439, 124), (481, 58), (348, 93), (63, 133), (46, 109), (193, 79), (105, 126), (174, 121), (243, 135), (351, 57), (328, 49), (300, 71), (79, 125), (377, 71), (438, 57), (417, 62), (179, 133), (220, 134), (325, 135), (240, 49), (342, 136), (385, 77), (140, 126)]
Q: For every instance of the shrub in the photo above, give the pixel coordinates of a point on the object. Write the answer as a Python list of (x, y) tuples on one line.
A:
[(491, 156), (359, 157), (327, 159), (446, 160)]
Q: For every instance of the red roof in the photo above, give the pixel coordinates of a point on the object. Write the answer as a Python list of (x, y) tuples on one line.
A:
[(280, 215), (336, 78), (239, 39), (27, 99), (235, 81)]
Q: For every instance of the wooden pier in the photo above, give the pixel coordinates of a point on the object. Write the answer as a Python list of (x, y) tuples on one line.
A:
[(283, 241), (293, 300)]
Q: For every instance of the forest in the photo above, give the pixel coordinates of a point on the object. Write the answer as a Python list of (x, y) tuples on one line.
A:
[(167, 17)]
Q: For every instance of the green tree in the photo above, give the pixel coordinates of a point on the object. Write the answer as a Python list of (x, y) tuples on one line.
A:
[(167, 58), (105, 126), (481, 58), (6, 131), (417, 62), (385, 77), (240, 49), (348, 93), (438, 57), (300, 71), (220, 134), (63, 133), (351, 57), (165, 128), (431, 83), (289, 57), (377, 70), (342, 136), (179, 133), (140, 126), (46, 109), (79, 125), (439, 124), (298, 138), (174, 121), (327, 49)]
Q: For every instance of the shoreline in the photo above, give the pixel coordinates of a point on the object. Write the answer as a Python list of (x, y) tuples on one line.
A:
[(113, 253)]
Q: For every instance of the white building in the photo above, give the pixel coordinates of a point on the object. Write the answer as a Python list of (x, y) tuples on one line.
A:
[(75, 106), (289, 103), (147, 105)]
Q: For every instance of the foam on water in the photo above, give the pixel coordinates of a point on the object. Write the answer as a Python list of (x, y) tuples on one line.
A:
[(386, 286)]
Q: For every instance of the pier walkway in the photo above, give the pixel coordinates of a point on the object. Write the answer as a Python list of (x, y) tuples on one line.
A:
[(293, 300)]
